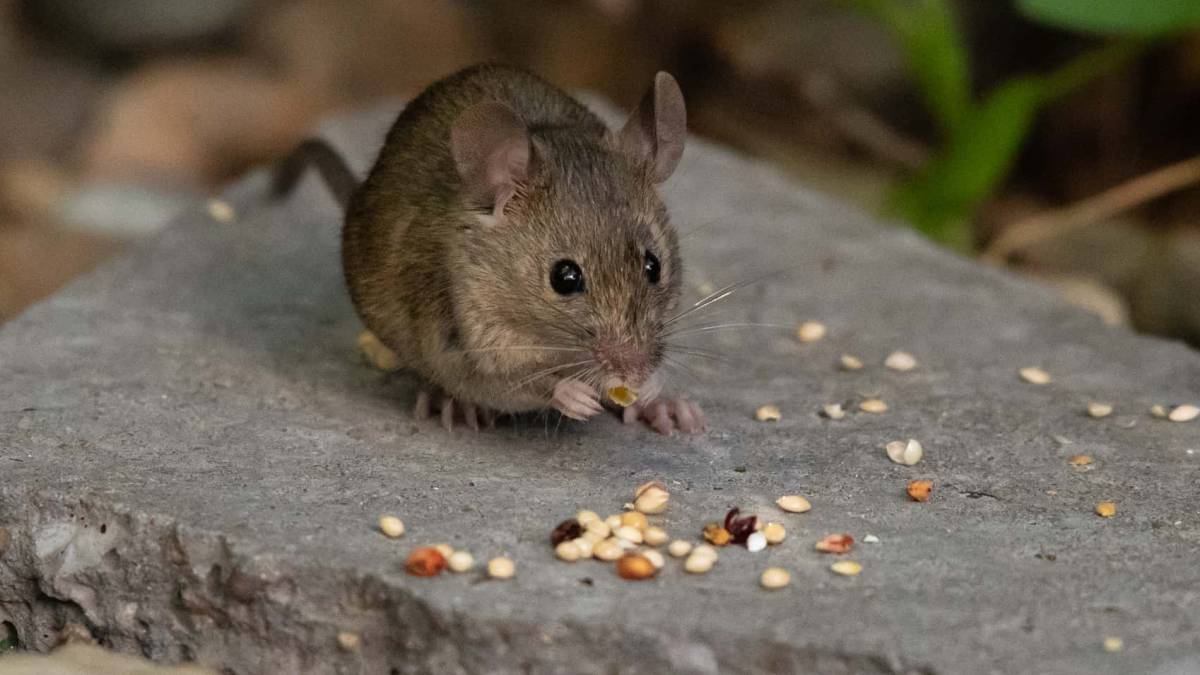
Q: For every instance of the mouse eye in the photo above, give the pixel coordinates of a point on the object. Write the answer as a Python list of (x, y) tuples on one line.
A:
[(652, 268), (566, 278)]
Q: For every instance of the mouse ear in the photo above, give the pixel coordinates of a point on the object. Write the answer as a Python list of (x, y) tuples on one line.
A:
[(656, 131), (492, 152)]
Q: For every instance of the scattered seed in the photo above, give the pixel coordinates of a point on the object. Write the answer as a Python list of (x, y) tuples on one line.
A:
[(870, 539), (349, 641), (697, 563), (873, 405), (793, 504), (716, 535), (768, 413), (651, 498), (654, 557), (501, 568), (906, 453), (900, 361), (1158, 411), (1098, 410), (1106, 509), (635, 519), (613, 521), (756, 542), (460, 561), (833, 411), (1184, 413), (1113, 644), (775, 577), (221, 211), (567, 551), (586, 518), (1034, 375), (679, 548), (655, 536), (426, 561), (848, 362), (635, 567), (391, 526), (608, 550), (1079, 460), (444, 549), (585, 547), (846, 568), (835, 543), (920, 490), (810, 331), (774, 533)]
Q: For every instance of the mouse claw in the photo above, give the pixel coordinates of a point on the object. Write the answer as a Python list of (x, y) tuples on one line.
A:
[(448, 413), (470, 416), (666, 415), (575, 399), (421, 410)]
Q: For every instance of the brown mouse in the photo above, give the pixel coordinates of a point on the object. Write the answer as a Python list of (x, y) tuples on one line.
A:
[(514, 252)]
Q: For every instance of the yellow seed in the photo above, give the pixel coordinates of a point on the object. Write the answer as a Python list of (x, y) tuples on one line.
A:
[(679, 548), (1079, 460), (585, 546), (348, 641), (460, 561), (585, 518), (768, 413), (774, 532), (1113, 644), (567, 551), (654, 557), (651, 498), (900, 362), (445, 549), (608, 550), (635, 519), (655, 536), (698, 564), (501, 568), (1034, 375), (848, 362), (717, 535), (1106, 509), (705, 550), (873, 405), (846, 568), (623, 396), (810, 331), (1097, 409), (793, 504), (391, 526), (1184, 413), (775, 577)]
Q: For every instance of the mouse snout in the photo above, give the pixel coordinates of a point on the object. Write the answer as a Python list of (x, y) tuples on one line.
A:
[(624, 360)]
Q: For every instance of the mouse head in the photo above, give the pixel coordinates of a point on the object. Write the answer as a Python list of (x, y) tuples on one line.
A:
[(567, 255)]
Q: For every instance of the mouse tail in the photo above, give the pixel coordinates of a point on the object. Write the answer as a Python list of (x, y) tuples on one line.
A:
[(329, 163)]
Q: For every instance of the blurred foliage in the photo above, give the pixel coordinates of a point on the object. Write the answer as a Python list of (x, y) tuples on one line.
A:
[(981, 136)]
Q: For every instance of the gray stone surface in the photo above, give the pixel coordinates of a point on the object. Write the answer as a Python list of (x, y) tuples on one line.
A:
[(193, 455)]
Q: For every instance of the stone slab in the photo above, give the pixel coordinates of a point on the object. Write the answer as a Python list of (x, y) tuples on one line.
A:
[(193, 456)]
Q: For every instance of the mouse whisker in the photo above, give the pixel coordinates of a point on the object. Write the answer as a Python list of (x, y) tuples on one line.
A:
[(702, 353), (547, 371), (528, 348), (684, 330), (681, 368), (720, 294)]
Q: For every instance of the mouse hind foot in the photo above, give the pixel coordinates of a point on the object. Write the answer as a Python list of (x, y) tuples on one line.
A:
[(665, 415), (448, 410)]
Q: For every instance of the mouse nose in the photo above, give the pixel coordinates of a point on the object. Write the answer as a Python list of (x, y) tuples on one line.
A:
[(623, 359)]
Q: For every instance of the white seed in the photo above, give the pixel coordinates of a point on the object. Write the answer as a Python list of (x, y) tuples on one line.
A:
[(756, 542), (774, 533), (870, 539), (1158, 411), (848, 362), (655, 536), (391, 526), (906, 453), (501, 568), (651, 497), (629, 533), (585, 518), (598, 529), (793, 504), (585, 546), (613, 521), (654, 557), (698, 564), (221, 210), (900, 361), (1034, 375), (567, 551), (1113, 644), (768, 413), (846, 568), (1097, 409), (1184, 413), (679, 548), (608, 550), (349, 641), (460, 561), (873, 405), (810, 331), (705, 550), (445, 549), (834, 411), (775, 577)]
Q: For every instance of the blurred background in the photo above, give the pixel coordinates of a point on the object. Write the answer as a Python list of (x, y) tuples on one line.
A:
[(1060, 138)]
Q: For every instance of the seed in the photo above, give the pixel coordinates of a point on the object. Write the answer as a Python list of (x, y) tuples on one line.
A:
[(705, 550), (900, 361), (586, 518), (1034, 375), (1184, 413), (846, 568), (1079, 460), (629, 533), (460, 561), (567, 551), (622, 396), (873, 405), (634, 519), (651, 498), (848, 362), (756, 542), (833, 411), (768, 413), (774, 532), (613, 521), (810, 331), (654, 557), (904, 453), (501, 568), (426, 561), (1113, 644), (793, 503), (1158, 411), (597, 530), (698, 564), (716, 535), (870, 539), (679, 548), (655, 536), (1106, 509), (444, 549), (607, 550), (391, 526), (348, 641), (775, 577), (1098, 410), (919, 490), (835, 543), (635, 567), (221, 210), (585, 546)]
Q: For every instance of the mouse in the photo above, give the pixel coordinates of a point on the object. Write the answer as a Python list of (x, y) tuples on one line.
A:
[(514, 252)]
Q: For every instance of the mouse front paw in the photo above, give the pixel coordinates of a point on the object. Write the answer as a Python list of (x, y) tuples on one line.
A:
[(575, 399), (665, 415)]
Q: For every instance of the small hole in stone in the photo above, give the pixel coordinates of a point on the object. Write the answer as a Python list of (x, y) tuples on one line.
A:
[(8, 636), (103, 528)]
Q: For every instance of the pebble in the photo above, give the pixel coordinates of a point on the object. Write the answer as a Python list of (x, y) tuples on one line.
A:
[(848, 362), (391, 526), (1098, 410), (793, 504), (810, 331), (768, 413), (756, 542), (501, 568), (873, 405), (1034, 375), (906, 453), (846, 568), (460, 561), (900, 362), (1184, 413), (679, 548), (775, 577)]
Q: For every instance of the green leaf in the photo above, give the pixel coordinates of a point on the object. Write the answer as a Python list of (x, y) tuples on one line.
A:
[(1115, 17)]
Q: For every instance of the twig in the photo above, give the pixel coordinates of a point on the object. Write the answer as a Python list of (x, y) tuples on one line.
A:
[(1115, 200)]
